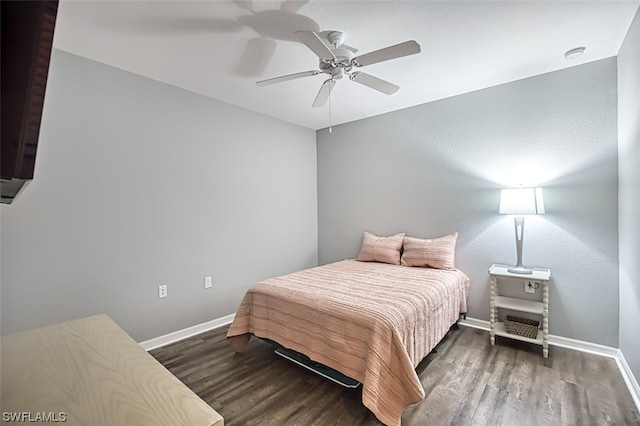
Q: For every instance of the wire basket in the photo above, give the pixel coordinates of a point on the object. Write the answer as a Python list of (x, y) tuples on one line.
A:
[(521, 326)]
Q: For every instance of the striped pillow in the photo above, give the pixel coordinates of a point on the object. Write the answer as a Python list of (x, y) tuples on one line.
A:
[(437, 253), (381, 249)]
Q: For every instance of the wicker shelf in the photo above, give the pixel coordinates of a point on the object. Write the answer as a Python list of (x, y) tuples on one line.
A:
[(501, 331)]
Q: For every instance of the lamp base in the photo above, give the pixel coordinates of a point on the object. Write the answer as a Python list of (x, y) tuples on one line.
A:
[(520, 270)]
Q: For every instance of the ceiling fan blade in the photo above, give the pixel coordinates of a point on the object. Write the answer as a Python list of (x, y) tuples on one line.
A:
[(286, 78), (315, 43), (374, 82), (407, 48), (323, 94)]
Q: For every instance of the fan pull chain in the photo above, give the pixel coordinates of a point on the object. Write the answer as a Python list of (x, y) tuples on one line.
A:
[(330, 129)]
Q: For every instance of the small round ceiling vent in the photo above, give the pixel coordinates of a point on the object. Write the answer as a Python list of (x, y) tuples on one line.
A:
[(574, 53)]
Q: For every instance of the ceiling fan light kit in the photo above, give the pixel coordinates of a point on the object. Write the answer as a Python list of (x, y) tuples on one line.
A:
[(337, 61)]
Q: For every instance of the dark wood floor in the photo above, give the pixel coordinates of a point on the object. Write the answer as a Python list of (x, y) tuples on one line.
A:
[(467, 382)]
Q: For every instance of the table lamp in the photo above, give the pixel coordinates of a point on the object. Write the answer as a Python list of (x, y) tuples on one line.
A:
[(520, 202)]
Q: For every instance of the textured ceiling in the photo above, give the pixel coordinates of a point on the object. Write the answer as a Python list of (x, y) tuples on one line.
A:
[(221, 48)]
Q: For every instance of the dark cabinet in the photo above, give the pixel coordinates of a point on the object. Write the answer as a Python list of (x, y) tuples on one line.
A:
[(27, 38)]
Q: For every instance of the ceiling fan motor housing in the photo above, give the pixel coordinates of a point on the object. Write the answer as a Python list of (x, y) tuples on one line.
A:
[(342, 64)]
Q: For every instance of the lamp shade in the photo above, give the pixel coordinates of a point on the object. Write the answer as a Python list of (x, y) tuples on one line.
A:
[(521, 201)]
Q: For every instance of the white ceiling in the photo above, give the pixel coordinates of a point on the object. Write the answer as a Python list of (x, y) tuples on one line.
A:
[(220, 48)]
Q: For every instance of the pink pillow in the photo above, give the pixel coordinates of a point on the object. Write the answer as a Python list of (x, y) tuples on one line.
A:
[(437, 253), (381, 249)]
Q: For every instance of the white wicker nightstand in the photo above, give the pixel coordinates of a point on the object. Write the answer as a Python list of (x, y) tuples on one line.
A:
[(542, 275)]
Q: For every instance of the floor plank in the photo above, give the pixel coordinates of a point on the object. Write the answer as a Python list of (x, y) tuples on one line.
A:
[(467, 382)]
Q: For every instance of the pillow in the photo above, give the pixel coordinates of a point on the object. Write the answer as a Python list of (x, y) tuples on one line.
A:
[(381, 249), (437, 253)]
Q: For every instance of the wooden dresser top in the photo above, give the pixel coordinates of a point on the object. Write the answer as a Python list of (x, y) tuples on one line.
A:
[(91, 372)]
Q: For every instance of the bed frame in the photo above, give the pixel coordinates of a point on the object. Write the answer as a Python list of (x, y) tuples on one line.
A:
[(327, 372)]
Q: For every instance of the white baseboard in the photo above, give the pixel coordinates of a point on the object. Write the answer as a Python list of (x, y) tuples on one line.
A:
[(475, 323), (582, 346), (175, 336), (579, 345), (563, 342), (628, 377)]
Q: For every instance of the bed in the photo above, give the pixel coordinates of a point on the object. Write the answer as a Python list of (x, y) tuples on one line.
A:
[(371, 321)]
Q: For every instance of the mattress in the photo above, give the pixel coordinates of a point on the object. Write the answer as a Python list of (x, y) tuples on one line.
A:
[(371, 321)]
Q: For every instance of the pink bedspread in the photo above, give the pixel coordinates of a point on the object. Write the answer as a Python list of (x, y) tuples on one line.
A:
[(373, 322)]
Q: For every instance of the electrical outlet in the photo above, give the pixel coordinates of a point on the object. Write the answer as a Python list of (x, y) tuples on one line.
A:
[(531, 286), (162, 291), (207, 282)]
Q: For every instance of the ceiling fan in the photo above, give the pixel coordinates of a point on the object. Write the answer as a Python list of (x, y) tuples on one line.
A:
[(337, 61)]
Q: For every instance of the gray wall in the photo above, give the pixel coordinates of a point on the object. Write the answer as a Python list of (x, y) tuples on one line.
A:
[(438, 168), (629, 184), (140, 183)]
